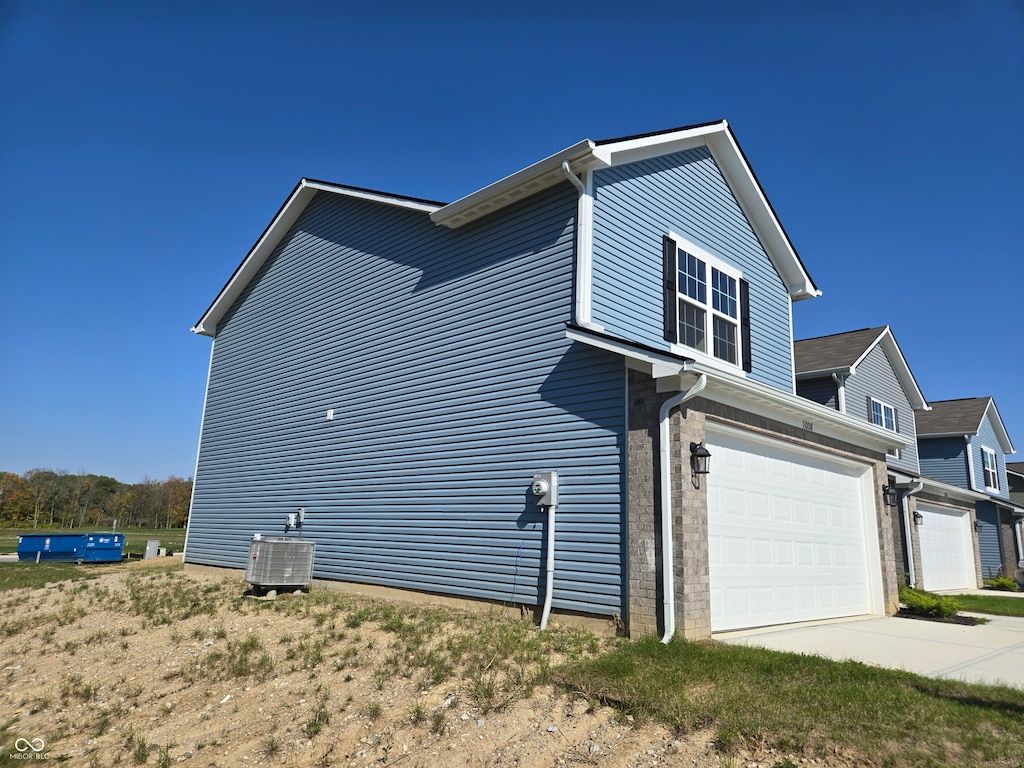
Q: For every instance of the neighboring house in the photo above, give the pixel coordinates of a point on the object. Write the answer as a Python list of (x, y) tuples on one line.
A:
[(864, 373), (1015, 480), (400, 368), (963, 443)]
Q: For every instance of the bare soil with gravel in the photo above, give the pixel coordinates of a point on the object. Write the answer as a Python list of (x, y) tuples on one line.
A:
[(149, 665)]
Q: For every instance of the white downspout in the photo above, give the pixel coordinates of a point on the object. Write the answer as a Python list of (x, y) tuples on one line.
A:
[(584, 256), (550, 576), (840, 381), (1020, 540), (908, 529), (665, 460)]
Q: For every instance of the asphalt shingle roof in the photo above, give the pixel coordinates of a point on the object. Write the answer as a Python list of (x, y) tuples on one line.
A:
[(952, 417), (840, 350)]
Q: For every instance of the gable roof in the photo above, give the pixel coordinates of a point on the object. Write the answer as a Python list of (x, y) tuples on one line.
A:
[(949, 418), (585, 155), (843, 352), (287, 215), (590, 155)]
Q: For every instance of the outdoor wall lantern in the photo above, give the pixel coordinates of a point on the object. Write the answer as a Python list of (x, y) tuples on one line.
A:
[(891, 495), (918, 518), (700, 457), (977, 526)]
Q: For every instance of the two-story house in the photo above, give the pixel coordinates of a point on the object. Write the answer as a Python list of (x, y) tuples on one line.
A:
[(964, 442), (401, 368), (864, 373)]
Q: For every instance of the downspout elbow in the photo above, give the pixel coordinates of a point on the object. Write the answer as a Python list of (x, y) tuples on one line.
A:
[(665, 463)]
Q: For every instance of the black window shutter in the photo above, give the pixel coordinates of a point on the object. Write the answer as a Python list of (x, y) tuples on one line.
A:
[(871, 416), (669, 273), (896, 419), (748, 360)]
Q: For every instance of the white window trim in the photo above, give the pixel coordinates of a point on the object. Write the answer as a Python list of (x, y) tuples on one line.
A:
[(710, 261), (995, 468), (893, 453)]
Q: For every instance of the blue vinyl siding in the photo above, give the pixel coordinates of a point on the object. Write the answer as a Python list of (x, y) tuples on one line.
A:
[(444, 357), (987, 437), (876, 378), (945, 459), (634, 206), (822, 391), (988, 538)]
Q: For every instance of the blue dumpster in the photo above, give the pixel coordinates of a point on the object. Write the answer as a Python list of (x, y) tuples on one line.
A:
[(71, 547)]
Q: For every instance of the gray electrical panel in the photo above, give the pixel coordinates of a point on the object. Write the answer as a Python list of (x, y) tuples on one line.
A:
[(545, 488)]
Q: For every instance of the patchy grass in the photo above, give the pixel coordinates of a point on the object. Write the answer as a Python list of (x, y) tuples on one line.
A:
[(806, 704), (998, 606), (33, 575)]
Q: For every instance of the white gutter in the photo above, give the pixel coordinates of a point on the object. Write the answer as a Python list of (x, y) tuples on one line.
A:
[(908, 530), (665, 460)]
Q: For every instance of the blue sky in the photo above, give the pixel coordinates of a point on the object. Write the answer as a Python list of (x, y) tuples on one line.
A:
[(145, 146)]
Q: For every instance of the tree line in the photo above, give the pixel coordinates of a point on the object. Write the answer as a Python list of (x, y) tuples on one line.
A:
[(55, 498)]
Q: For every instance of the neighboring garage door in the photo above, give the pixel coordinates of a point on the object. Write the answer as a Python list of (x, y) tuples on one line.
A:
[(791, 534), (947, 549)]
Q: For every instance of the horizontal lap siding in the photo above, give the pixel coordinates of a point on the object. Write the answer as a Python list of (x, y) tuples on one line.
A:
[(989, 547), (443, 355), (876, 378), (634, 205), (821, 391), (987, 437), (944, 459)]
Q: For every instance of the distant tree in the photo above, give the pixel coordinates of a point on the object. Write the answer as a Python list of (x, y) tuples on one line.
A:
[(177, 495), (14, 498)]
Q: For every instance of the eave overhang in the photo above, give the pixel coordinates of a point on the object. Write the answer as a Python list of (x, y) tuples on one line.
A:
[(740, 391), (589, 155), (939, 488), (283, 220)]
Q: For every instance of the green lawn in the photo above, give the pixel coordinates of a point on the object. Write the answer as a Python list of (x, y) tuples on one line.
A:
[(806, 704), (135, 538), (999, 606), (16, 575)]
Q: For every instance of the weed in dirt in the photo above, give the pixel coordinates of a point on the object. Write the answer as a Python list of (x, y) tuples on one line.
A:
[(438, 723), (373, 710), (270, 746)]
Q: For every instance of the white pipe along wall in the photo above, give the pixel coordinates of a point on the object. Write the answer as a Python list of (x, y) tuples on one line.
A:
[(665, 460), (908, 529)]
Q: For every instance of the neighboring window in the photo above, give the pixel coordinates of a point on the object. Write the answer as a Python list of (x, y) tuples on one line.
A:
[(709, 297), (884, 416), (991, 468)]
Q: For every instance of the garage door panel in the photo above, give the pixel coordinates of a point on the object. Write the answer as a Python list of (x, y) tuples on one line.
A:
[(947, 549), (787, 535)]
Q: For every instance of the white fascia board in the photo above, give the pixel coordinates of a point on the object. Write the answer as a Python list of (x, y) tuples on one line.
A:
[(997, 425), (740, 177), (658, 366), (272, 235), (899, 366), (656, 145), (951, 491), (764, 400), (824, 372), (520, 184)]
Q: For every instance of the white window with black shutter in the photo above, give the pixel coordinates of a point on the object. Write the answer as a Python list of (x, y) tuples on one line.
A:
[(706, 302), (990, 468)]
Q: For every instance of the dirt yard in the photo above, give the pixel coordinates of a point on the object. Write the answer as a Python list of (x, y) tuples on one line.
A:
[(148, 665)]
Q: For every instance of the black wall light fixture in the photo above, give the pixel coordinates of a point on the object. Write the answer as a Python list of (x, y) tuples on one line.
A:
[(891, 495), (700, 459)]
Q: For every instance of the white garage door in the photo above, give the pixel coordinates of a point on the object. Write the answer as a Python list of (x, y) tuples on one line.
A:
[(791, 534), (947, 549)]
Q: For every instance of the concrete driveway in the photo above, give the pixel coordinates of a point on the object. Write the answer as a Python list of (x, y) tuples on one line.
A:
[(990, 653)]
